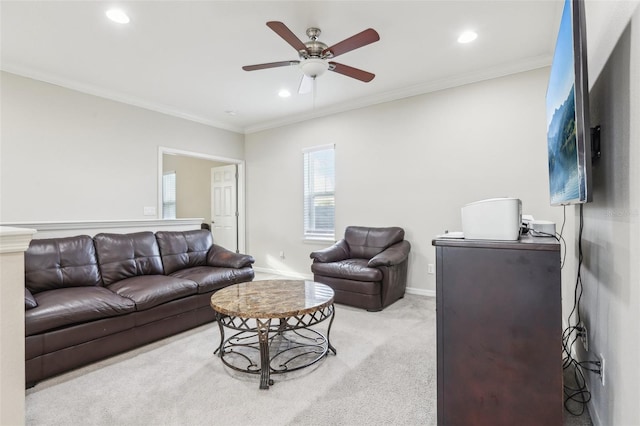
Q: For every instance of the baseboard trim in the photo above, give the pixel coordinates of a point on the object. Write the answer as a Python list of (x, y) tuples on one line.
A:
[(292, 274), (288, 274), (421, 292)]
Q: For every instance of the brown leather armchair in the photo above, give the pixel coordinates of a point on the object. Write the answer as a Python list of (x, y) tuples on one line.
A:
[(367, 269)]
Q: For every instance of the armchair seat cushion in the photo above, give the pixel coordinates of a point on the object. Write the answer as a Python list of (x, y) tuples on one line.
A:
[(352, 269), (210, 278), (74, 305), (148, 291), (344, 287)]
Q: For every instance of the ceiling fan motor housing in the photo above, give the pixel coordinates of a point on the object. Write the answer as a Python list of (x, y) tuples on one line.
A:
[(312, 63), (314, 49)]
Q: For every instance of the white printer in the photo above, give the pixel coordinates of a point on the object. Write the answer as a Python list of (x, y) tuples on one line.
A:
[(492, 219)]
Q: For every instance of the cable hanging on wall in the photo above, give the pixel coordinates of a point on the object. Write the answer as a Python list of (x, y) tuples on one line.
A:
[(577, 392)]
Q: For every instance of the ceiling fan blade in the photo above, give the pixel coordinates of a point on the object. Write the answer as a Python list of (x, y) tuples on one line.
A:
[(269, 65), (287, 35), (363, 38), (352, 72), (306, 85)]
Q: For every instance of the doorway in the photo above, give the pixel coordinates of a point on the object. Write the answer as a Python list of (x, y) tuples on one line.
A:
[(194, 191), (224, 205)]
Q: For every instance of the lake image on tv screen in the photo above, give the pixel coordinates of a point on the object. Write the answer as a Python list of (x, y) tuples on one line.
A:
[(564, 174)]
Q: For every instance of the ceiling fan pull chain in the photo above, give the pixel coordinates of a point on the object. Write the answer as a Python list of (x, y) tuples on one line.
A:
[(313, 94)]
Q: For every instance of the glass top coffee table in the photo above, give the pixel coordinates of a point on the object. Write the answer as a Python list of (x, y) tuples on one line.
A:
[(272, 320)]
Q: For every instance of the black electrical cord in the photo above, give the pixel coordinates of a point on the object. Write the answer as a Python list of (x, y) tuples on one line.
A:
[(557, 236), (580, 392), (560, 237)]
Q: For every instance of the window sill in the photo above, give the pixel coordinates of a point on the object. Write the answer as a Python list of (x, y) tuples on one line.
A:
[(319, 240)]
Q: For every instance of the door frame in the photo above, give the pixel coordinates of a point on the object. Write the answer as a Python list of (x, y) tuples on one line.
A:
[(162, 150)]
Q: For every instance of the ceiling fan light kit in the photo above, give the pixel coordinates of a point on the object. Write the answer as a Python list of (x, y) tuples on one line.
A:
[(314, 67), (314, 54)]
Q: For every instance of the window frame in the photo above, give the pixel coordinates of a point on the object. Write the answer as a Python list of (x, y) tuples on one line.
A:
[(313, 233)]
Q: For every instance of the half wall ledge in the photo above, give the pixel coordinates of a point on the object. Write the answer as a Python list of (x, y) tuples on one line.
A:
[(60, 229), (13, 242)]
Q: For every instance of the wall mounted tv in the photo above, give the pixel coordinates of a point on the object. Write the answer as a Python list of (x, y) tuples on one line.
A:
[(568, 131)]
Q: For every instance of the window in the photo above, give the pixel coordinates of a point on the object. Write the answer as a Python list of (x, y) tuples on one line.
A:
[(319, 192), (169, 195)]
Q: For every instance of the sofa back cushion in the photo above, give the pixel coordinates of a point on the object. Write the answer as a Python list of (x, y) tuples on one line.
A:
[(61, 262), (184, 249), (127, 255), (364, 242)]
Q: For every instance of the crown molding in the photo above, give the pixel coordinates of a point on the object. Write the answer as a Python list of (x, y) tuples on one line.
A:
[(502, 70), (524, 65), (115, 96)]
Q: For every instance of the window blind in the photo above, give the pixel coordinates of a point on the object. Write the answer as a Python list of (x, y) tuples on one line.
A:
[(319, 192), (169, 195)]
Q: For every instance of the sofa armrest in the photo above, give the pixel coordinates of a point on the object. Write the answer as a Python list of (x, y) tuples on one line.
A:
[(29, 300), (393, 255), (338, 251), (220, 256)]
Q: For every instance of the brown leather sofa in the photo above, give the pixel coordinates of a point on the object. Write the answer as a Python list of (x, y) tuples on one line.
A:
[(366, 269), (90, 298)]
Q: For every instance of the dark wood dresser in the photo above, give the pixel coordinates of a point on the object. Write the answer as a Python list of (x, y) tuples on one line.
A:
[(499, 329)]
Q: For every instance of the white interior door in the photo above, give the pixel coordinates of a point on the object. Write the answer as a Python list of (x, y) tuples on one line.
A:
[(224, 206)]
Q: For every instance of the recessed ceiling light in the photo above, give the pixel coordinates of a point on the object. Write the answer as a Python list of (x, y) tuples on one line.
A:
[(467, 37), (118, 15), (284, 93)]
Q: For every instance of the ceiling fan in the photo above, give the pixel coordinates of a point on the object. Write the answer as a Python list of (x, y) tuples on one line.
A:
[(314, 55)]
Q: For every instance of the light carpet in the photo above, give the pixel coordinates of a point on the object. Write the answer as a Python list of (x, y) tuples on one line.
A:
[(384, 373)]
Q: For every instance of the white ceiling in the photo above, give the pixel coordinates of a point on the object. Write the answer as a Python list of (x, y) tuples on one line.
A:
[(185, 57)]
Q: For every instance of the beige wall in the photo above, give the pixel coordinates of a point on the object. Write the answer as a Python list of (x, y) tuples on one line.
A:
[(193, 185), (411, 163), (66, 155)]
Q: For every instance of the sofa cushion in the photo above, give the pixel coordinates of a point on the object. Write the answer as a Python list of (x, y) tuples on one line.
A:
[(184, 249), (353, 269), (148, 291), (365, 242), (74, 305), (127, 255), (210, 278), (61, 262)]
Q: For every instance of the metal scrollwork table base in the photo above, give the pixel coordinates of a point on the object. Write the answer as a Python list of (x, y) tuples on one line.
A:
[(272, 321)]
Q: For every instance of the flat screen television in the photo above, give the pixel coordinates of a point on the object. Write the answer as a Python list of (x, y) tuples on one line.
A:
[(568, 131)]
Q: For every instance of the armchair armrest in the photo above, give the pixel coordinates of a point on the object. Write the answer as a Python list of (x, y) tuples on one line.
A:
[(334, 253), (393, 255), (220, 256)]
